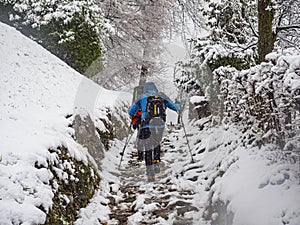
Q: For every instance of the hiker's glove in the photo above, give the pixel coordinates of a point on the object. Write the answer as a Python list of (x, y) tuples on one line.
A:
[(134, 126)]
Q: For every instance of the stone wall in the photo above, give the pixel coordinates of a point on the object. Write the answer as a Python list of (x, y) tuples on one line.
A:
[(86, 135), (198, 110)]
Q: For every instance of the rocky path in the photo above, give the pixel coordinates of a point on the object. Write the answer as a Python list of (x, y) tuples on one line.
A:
[(160, 202)]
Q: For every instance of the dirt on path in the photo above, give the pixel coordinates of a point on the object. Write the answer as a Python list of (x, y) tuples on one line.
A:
[(159, 202)]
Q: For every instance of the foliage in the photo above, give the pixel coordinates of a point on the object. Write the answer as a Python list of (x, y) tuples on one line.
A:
[(234, 29), (188, 77), (231, 41), (72, 30), (231, 27), (195, 78), (286, 23)]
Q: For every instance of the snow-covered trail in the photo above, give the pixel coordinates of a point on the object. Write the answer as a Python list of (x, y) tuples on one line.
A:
[(226, 182), (162, 202)]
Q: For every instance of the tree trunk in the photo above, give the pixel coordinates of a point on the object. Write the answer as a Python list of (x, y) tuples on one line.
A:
[(266, 37), (143, 76), (147, 62)]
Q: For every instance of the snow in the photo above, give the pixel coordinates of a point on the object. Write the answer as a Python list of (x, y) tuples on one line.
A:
[(37, 93), (253, 182), (272, 56), (266, 191), (97, 206), (287, 58), (197, 99), (254, 185)]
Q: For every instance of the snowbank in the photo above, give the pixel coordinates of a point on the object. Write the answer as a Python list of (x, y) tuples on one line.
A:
[(38, 93), (258, 188), (238, 183)]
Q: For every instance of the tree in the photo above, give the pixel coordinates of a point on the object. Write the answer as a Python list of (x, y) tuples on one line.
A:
[(287, 23), (266, 37), (241, 33), (277, 20), (263, 99), (72, 30), (231, 38), (139, 27)]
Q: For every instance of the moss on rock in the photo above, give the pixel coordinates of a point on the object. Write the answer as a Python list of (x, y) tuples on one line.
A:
[(74, 184)]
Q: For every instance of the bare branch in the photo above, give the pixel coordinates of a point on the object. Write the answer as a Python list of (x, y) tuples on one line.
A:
[(287, 27)]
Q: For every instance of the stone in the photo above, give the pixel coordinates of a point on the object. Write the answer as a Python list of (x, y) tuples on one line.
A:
[(85, 134)]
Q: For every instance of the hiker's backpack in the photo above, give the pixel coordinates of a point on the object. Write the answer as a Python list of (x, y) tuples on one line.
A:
[(155, 110)]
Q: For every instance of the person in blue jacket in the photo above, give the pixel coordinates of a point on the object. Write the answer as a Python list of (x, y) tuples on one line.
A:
[(152, 126)]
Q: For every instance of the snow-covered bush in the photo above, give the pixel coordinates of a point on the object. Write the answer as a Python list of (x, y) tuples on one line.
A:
[(265, 98), (196, 79)]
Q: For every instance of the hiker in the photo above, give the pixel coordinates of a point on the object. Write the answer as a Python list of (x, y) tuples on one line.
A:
[(153, 107)]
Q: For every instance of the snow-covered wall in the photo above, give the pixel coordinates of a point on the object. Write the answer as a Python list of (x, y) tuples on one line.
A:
[(39, 98)]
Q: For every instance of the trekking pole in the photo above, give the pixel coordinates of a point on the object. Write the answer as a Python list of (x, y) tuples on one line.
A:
[(126, 143), (187, 140)]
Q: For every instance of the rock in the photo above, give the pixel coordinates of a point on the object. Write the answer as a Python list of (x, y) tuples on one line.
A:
[(199, 108), (85, 134), (183, 222)]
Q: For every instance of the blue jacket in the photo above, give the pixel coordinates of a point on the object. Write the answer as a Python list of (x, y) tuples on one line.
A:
[(141, 102)]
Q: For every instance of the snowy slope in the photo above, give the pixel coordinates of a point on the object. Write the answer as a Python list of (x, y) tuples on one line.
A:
[(37, 93), (257, 186)]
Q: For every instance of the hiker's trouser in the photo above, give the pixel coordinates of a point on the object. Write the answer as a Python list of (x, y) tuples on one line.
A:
[(149, 143), (139, 146), (155, 138)]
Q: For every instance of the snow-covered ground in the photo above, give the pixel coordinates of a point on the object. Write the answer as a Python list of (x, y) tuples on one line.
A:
[(37, 93), (258, 186), (228, 183)]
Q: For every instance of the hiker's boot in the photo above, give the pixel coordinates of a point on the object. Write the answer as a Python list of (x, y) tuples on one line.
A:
[(150, 173), (151, 178)]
